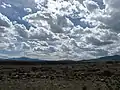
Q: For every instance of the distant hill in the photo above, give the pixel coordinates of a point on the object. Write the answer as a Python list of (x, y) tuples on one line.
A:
[(20, 61), (25, 59), (107, 58), (32, 61)]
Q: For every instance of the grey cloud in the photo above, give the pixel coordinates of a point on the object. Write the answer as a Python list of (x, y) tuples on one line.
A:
[(25, 46), (90, 5), (97, 42), (56, 35), (22, 31), (99, 52), (4, 21), (110, 15)]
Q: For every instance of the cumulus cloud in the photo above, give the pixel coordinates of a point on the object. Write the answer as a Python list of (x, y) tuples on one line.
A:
[(28, 10), (74, 29), (110, 15), (4, 21), (90, 5)]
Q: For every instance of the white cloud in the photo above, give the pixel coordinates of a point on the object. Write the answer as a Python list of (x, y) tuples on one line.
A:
[(110, 15), (20, 3), (4, 21), (28, 10), (90, 5), (25, 46), (21, 30), (73, 29)]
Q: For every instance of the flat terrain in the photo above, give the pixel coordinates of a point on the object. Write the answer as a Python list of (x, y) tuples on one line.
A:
[(77, 76)]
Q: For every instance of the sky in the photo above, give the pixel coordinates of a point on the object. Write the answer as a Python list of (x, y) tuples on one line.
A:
[(59, 29)]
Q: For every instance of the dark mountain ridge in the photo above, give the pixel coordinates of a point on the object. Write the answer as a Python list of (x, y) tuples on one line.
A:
[(108, 58), (33, 61)]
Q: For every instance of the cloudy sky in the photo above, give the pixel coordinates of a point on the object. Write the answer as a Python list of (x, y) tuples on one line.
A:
[(59, 29)]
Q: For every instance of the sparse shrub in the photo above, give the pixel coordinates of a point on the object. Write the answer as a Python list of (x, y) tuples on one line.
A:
[(34, 69), (107, 73), (98, 88), (109, 62), (84, 88), (21, 70), (1, 77), (52, 77)]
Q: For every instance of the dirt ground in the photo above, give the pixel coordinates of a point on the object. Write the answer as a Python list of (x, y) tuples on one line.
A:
[(82, 76)]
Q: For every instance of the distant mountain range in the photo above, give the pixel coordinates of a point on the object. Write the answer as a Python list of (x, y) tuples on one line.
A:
[(25, 59), (21, 61), (33, 61), (107, 58)]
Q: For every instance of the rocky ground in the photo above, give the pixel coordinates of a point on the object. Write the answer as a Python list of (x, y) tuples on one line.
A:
[(82, 76)]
